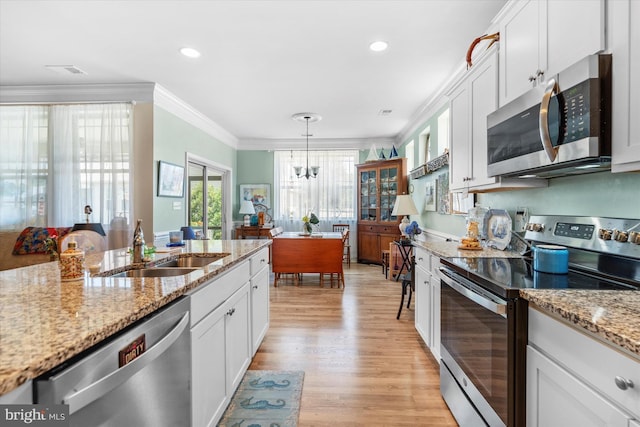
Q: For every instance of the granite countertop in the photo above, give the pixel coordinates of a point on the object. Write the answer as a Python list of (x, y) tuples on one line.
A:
[(44, 321), (612, 316), (449, 249)]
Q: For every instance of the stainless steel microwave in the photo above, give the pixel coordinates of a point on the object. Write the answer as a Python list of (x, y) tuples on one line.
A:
[(561, 129)]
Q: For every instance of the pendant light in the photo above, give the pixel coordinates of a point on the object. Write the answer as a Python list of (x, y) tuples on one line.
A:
[(309, 172)]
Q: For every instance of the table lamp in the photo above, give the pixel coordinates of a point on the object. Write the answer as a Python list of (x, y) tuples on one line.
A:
[(246, 207), (404, 206)]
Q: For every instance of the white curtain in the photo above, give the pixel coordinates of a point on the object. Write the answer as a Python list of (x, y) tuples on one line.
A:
[(331, 195), (56, 159), (92, 149)]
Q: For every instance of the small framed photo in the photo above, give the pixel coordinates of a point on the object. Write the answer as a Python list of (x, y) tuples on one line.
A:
[(170, 180), (256, 193), (430, 196)]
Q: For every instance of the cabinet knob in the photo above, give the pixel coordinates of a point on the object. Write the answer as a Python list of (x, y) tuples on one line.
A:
[(231, 311), (532, 78), (255, 286), (623, 383), (263, 260)]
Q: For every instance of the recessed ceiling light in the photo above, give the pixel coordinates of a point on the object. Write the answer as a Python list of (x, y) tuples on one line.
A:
[(378, 46), (190, 52)]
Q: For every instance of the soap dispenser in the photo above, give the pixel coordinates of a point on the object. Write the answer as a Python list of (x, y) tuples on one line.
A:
[(72, 262)]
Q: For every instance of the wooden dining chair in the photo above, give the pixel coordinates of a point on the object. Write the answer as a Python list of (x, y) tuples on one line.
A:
[(346, 247), (408, 286), (340, 227)]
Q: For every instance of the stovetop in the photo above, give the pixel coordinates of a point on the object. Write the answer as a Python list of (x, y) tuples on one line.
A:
[(506, 276), (597, 259)]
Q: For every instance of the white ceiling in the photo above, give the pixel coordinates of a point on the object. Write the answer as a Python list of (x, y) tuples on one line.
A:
[(262, 60)]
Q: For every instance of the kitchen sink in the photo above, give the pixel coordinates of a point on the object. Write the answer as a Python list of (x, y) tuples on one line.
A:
[(193, 261), (154, 272)]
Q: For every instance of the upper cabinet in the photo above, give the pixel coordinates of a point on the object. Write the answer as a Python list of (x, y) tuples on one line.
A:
[(474, 98), (539, 38), (624, 45)]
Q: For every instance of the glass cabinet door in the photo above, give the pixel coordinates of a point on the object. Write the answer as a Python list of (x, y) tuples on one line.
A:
[(368, 195), (388, 192)]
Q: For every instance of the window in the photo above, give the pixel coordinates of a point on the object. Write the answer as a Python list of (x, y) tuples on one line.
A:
[(443, 132), (331, 195), (409, 154), (66, 157)]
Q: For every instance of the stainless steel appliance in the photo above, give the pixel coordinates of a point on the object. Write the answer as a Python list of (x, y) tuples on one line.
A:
[(138, 378), (484, 320), (563, 130)]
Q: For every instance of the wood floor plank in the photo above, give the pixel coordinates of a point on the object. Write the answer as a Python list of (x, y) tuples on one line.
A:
[(362, 366)]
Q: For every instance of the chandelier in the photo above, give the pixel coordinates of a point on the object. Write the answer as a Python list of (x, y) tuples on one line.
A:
[(309, 172)]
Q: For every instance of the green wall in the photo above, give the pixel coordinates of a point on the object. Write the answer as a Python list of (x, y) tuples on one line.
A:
[(172, 139), (254, 167)]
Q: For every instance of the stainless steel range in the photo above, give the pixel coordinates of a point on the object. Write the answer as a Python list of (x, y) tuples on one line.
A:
[(484, 320)]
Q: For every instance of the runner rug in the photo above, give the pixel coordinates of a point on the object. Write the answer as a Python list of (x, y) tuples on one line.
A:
[(265, 398)]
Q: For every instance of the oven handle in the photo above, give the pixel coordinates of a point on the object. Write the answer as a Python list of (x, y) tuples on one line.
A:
[(447, 277)]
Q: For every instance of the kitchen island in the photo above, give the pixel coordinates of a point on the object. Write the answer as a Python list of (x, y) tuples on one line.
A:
[(44, 321)]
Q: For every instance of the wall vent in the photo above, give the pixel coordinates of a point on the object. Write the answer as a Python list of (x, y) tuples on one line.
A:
[(385, 112), (65, 69)]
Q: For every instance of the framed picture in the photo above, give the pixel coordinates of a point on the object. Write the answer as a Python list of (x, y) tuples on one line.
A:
[(256, 193), (430, 196), (170, 180), (442, 194)]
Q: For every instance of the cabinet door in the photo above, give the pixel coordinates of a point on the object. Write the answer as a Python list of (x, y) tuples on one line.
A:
[(557, 398), (624, 44), (388, 191), (369, 247), (259, 307), (460, 153), (435, 317), (208, 369), (368, 195), (519, 49), (483, 89), (238, 337), (569, 39), (423, 304)]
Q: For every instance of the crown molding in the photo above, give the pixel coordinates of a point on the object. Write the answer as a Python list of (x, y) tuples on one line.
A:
[(298, 144), (176, 106), (41, 94)]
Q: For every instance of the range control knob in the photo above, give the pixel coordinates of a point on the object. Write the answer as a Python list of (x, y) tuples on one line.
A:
[(532, 226), (605, 234), (634, 237), (620, 236)]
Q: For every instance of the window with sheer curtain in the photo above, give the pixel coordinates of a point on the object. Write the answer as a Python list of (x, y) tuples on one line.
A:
[(331, 195), (62, 158)]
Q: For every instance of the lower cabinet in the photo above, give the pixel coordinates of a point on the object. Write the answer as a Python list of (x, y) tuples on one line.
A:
[(229, 319), (427, 312), (220, 354), (572, 379)]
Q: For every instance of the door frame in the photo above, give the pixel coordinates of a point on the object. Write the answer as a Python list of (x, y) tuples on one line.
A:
[(225, 172)]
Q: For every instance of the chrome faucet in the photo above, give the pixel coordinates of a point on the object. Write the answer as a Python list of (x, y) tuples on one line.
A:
[(138, 243)]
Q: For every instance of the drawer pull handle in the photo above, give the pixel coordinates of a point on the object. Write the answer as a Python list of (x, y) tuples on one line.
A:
[(623, 383)]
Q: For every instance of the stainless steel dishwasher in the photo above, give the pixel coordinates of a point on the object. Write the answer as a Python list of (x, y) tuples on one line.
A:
[(139, 378)]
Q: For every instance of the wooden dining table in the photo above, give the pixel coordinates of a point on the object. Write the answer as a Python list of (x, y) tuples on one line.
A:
[(296, 253)]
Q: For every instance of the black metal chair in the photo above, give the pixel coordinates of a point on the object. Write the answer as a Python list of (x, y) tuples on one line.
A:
[(408, 285)]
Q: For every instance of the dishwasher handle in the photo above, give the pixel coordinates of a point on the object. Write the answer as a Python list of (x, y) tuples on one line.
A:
[(449, 278), (104, 385)]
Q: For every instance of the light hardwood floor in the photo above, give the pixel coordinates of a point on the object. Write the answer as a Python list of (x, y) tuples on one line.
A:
[(362, 366)]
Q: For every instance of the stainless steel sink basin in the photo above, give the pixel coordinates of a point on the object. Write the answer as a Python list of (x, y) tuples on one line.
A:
[(154, 272), (193, 261)]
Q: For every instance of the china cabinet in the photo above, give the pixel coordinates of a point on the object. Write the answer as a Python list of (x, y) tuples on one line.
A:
[(378, 185)]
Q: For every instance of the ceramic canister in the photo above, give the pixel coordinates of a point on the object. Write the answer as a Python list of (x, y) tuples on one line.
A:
[(551, 259), (71, 263)]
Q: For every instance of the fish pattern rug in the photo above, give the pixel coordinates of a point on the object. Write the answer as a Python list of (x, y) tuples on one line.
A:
[(265, 399)]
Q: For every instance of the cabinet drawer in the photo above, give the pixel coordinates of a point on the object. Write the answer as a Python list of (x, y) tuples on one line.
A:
[(423, 258), (210, 295), (259, 260), (379, 229), (594, 362)]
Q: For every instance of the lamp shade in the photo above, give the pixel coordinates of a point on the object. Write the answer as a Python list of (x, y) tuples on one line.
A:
[(93, 226), (246, 207), (404, 206)]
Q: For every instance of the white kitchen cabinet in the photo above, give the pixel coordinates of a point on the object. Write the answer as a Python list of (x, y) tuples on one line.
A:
[(624, 44), (435, 304), (471, 101), (423, 295), (22, 395), (571, 378), (539, 38), (220, 342), (259, 298)]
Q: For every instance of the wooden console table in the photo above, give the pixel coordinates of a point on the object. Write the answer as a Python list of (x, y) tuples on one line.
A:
[(252, 231)]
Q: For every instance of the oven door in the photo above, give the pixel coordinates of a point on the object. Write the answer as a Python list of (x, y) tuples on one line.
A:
[(475, 346)]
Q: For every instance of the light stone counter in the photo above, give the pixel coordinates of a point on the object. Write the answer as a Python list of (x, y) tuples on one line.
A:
[(613, 316), (445, 249), (44, 321)]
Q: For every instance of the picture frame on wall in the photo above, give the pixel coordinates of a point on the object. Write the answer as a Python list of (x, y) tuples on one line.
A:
[(430, 196), (256, 193), (170, 180)]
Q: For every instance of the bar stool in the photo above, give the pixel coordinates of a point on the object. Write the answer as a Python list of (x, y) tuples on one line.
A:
[(407, 286)]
